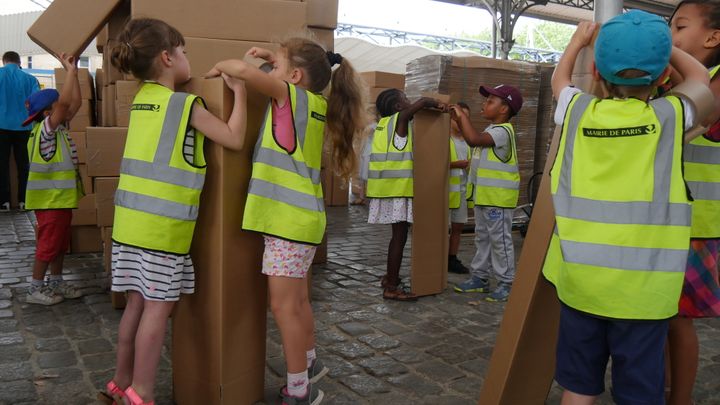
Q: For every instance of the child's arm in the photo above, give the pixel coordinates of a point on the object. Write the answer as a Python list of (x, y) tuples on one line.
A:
[(231, 134), (459, 164), (62, 109), (562, 76), (76, 98), (256, 78), (401, 128), (472, 137), (688, 67)]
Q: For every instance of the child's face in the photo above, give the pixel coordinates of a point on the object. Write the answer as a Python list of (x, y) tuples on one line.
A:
[(691, 33), (402, 102), (281, 67), (181, 66), (494, 107)]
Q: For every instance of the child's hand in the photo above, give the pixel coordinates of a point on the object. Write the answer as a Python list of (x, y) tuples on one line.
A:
[(261, 53), (583, 34), (214, 72), (432, 103), (456, 112), (462, 164), (69, 62), (236, 85)]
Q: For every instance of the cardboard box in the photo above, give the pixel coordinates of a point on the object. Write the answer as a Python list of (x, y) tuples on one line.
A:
[(85, 117), (112, 74), (85, 80), (125, 91), (384, 80), (204, 53), (326, 37), (322, 13), (85, 213), (79, 140), (431, 151), (219, 332), (108, 106), (60, 28), (99, 113), (105, 188), (105, 147), (85, 179), (99, 83), (106, 234), (85, 239), (247, 20), (373, 93)]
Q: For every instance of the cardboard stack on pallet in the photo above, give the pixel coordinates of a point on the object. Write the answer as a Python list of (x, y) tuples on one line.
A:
[(461, 77)]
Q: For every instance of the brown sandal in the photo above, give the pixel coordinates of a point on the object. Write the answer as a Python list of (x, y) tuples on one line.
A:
[(398, 294)]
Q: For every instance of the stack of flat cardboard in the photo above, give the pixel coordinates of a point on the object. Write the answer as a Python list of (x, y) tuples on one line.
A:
[(461, 77)]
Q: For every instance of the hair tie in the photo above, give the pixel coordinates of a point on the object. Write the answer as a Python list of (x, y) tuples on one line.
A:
[(334, 58), (129, 46)]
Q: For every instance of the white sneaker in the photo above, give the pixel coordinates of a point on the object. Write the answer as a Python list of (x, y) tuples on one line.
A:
[(43, 296), (22, 206), (65, 290), (5, 206)]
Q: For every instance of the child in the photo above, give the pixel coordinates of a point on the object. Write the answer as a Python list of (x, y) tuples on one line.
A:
[(156, 204), (622, 213), (496, 185), (285, 201), (695, 27), (53, 189), (458, 185), (390, 180)]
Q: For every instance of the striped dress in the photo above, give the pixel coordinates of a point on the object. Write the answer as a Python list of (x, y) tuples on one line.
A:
[(158, 276)]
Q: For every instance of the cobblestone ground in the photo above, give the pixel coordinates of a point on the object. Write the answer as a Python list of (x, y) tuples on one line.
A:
[(434, 351)]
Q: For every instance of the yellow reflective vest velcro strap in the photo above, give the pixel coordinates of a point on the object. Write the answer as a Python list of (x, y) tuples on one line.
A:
[(285, 197), (702, 174), (621, 240), (390, 171), (497, 181), (162, 173), (456, 175), (52, 184)]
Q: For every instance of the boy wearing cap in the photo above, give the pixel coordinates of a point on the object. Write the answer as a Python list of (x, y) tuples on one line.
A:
[(496, 182), (618, 253), (53, 188)]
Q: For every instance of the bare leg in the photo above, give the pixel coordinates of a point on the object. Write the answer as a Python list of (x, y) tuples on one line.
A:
[(291, 315), (395, 252), (148, 346), (684, 352), (455, 232), (126, 339)]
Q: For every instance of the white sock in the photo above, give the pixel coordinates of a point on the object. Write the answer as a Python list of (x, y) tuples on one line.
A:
[(55, 279), (297, 384), (310, 356), (35, 285)]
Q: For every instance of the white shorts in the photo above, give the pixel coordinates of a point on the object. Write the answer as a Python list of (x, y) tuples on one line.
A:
[(460, 215)]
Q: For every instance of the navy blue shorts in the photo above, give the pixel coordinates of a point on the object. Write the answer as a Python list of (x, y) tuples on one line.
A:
[(585, 343)]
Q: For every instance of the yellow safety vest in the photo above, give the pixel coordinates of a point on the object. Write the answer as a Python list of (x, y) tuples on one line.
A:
[(456, 177), (285, 197), (497, 182), (702, 175), (52, 184), (158, 196), (390, 171), (622, 212)]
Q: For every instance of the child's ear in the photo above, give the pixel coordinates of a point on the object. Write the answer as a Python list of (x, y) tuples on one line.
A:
[(595, 72), (296, 76), (165, 58), (713, 40)]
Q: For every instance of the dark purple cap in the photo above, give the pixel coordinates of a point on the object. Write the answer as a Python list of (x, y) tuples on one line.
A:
[(509, 94)]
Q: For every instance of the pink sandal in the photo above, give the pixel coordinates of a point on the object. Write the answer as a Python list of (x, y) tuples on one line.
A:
[(113, 396), (135, 398)]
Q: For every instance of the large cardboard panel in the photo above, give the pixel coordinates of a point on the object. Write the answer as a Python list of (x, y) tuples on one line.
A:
[(99, 83), (85, 179), (322, 13), (84, 214), (125, 91), (431, 151), (523, 361), (325, 37), (70, 25), (81, 145), (384, 79), (105, 188), (105, 147), (204, 53), (108, 105), (84, 117), (85, 239), (247, 20), (219, 332)]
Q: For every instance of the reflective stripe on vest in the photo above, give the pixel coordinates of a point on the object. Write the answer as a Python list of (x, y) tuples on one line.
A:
[(285, 193), (158, 196), (639, 247), (702, 175), (497, 183), (456, 174), (53, 184), (390, 172)]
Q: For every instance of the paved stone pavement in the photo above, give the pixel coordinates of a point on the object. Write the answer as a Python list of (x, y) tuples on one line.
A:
[(434, 351)]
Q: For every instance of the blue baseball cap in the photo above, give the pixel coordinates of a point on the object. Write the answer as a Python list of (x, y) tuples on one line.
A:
[(39, 102), (634, 40)]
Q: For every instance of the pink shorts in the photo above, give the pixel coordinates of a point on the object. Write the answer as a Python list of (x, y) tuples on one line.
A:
[(287, 259)]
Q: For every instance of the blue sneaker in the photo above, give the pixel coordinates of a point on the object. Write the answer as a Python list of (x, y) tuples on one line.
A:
[(501, 293), (473, 285)]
